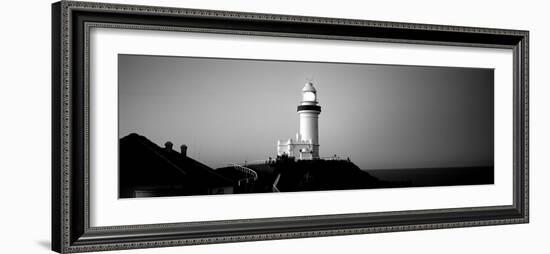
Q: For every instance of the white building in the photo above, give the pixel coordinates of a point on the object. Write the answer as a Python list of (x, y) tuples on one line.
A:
[(306, 144)]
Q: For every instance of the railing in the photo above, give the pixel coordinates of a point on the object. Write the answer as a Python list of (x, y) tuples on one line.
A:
[(256, 161), (251, 175), (332, 158), (275, 183)]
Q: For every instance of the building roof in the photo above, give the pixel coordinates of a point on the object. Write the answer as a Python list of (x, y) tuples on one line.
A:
[(143, 163)]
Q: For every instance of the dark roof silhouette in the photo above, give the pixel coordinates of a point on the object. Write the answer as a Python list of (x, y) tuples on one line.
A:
[(146, 166)]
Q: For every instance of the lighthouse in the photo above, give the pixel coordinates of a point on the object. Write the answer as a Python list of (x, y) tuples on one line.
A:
[(306, 144), (309, 111)]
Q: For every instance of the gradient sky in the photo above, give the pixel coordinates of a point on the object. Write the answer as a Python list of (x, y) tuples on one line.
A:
[(380, 116)]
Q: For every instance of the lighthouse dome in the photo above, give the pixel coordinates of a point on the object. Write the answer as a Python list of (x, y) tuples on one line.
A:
[(309, 88)]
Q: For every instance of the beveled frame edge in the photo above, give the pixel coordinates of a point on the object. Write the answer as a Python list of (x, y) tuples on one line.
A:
[(70, 227)]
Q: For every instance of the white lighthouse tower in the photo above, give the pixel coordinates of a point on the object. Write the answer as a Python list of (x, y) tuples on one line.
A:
[(306, 144), (309, 111)]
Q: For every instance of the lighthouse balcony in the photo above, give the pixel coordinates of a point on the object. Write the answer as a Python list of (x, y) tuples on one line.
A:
[(315, 108)]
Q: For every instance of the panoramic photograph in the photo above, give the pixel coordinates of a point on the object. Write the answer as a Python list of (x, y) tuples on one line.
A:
[(205, 126)]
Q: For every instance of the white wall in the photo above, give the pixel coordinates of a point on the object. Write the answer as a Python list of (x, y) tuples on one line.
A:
[(25, 128)]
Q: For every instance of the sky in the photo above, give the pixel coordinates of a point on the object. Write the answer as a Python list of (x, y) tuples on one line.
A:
[(380, 116)]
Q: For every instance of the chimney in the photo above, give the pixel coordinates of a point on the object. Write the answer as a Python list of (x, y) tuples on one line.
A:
[(168, 146), (183, 150)]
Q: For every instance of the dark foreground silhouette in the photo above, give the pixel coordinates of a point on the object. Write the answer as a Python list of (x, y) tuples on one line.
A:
[(147, 170)]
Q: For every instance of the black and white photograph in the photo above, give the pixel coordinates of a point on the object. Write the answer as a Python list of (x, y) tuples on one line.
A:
[(204, 126), (227, 127)]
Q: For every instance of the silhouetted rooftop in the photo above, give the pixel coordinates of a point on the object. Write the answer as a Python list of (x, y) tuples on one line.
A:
[(144, 164)]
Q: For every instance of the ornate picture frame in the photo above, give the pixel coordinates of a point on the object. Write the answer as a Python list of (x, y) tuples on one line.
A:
[(71, 201)]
